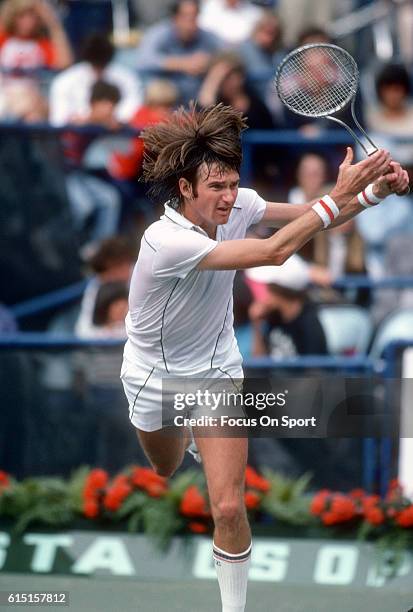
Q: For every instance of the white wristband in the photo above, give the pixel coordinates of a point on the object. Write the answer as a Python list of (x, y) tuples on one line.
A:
[(367, 198), (326, 209)]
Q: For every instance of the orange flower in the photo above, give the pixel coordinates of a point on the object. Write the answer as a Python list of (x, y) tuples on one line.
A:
[(252, 500), (149, 481), (343, 506), (193, 503), (369, 502), (120, 479), (90, 494), (4, 480), (255, 481), (405, 517), (91, 508), (318, 502), (196, 527), (116, 494), (375, 516), (98, 479), (329, 518)]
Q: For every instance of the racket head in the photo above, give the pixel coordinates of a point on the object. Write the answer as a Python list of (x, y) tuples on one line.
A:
[(317, 80)]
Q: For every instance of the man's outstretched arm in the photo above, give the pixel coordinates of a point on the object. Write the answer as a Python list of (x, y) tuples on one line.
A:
[(247, 253)]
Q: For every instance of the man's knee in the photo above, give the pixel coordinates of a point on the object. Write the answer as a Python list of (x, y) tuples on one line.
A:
[(228, 512), (165, 470)]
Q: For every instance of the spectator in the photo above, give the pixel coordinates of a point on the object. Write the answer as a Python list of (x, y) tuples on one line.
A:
[(398, 261), (231, 20), (385, 223), (112, 262), (312, 176), (179, 49), (104, 98), (226, 82), (90, 194), (161, 97), (300, 15), (285, 321), (339, 250), (111, 308), (261, 54), (99, 371), (32, 37), (70, 91), (311, 35), (393, 115)]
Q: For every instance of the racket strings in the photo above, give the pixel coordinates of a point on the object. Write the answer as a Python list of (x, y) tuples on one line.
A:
[(320, 89)]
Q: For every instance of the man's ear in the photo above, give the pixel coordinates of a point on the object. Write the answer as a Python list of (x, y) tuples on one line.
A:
[(185, 188)]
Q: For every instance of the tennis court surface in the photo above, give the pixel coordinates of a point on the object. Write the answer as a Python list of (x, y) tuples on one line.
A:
[(127, 595)]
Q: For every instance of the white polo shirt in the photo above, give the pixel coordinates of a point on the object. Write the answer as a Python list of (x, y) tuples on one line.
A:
[(180, 319)]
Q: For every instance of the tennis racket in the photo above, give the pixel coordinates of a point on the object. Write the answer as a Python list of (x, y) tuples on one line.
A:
[(321, 80)]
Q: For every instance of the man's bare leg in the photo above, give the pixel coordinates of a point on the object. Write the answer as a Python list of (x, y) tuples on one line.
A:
[(165, 452), (224, 461)]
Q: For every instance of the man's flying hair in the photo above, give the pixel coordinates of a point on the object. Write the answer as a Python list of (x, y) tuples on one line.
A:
[(178, 146)]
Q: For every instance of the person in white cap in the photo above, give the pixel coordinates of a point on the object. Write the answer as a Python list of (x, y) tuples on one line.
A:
[(180, 317), (285, 321)]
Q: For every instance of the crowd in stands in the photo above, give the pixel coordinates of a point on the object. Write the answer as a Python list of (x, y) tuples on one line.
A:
[(210, 51)]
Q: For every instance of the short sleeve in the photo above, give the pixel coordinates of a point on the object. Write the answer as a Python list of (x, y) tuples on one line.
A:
[(253, 206), (181, 252)]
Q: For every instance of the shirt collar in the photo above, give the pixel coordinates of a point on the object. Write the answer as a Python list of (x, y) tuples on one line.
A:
[(176, 217)]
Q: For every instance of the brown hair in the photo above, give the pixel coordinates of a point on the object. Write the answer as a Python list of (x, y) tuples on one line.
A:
[(178, 146), (102, 90), (107, 294), (11, 9), (111, 252)]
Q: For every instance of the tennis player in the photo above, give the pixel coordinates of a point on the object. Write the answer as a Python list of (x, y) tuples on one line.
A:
[(180, 321)]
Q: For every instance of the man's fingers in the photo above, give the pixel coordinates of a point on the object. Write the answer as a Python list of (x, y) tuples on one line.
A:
[(398, 181), (378, 162), (396, 166), (347, 161)]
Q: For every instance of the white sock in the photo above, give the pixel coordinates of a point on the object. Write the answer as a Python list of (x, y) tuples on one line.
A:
[(232, 572)]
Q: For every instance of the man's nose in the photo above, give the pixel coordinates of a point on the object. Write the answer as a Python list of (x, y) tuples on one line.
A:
[(229, 197)]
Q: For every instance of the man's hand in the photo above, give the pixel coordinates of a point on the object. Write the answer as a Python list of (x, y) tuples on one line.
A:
[(354, 178), (395, 181)]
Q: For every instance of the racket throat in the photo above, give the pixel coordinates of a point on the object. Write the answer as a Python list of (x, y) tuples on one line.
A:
[(368, 147)]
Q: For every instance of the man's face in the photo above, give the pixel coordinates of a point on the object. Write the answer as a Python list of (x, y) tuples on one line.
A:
[(186, 21), (214, 198)]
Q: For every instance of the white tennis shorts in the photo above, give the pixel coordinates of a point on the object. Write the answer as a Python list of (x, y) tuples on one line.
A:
[(143, 388)]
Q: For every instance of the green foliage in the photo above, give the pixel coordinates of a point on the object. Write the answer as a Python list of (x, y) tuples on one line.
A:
[(161, 522), (287, 500), (42, 500), (132, 509), (181, 482)]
